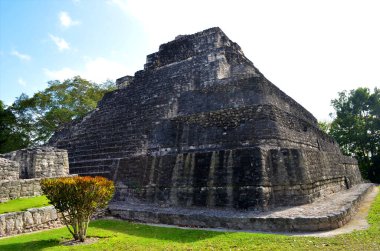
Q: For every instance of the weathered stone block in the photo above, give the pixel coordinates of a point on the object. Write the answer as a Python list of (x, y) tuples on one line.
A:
[(9, 225), (28, 219), (9, 170)]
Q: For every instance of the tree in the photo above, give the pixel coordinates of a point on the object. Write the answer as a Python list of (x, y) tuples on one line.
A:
[(324, 126), (77, 199), (356, 127), (12, 136), (60, 103)]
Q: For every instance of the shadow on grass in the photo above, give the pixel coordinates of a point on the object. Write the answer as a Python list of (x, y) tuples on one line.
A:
[(119, 229), (29, 245), (153, 232)]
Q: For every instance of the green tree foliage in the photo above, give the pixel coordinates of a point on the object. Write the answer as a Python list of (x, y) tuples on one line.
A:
[(60, 103), (324, 126), (356, 128), (77, 199), (12, 135)]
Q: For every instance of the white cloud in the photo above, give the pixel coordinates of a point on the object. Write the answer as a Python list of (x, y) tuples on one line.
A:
[(66, 20), (61, 74), (60, 42), (21, 82), (97, 70), (123, 5), (101, 69), (21, 56)]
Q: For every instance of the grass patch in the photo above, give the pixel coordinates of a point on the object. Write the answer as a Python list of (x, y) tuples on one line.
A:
[(122, 235), (22, 204)]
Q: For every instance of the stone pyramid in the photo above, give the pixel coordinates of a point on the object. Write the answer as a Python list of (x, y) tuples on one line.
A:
[(200, 126)]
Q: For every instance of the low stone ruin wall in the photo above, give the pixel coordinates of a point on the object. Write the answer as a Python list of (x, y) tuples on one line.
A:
[(20, 175), (28, 221), (13, 189), (22, 170), (40, 162)]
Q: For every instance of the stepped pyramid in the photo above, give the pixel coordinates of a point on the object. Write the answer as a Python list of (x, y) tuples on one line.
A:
[(201, 127)]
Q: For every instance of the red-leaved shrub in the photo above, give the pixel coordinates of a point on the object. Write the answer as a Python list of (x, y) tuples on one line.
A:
[(77, 199)]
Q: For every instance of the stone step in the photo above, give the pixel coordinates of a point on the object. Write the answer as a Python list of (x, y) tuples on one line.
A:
[(79, 158), (104, 143), (93, 162), (90, 170), (325, 214)]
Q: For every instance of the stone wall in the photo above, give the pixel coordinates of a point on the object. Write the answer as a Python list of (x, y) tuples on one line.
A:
[(19, 188), (242, 178), (28, 221), (237, 128), (40, 162), (9, 170)]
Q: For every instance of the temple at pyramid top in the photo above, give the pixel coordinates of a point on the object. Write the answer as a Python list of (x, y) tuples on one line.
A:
[(186, 46), (201, 126)]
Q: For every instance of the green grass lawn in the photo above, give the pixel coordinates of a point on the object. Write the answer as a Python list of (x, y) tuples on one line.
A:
[(122, 235), (22, 204)]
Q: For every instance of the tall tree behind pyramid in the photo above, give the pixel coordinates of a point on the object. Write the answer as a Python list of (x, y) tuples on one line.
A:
[(201, 126)]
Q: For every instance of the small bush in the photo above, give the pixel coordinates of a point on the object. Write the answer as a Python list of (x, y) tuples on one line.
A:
[(77, 199)]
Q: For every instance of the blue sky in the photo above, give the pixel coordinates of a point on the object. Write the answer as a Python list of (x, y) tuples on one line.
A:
[(309, 49), (44, 40)]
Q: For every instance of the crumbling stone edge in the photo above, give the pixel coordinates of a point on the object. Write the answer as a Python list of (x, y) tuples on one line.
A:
[(250, 222)]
